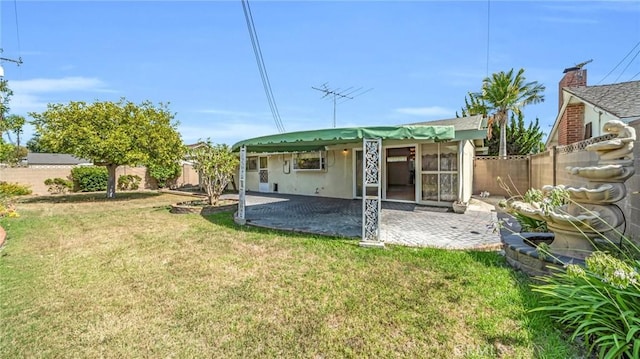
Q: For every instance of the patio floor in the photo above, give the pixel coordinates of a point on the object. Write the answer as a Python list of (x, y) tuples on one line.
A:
[(401, 223)]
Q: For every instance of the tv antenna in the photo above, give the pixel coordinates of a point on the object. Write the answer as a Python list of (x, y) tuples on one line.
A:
[(344, 95), (18, 62)]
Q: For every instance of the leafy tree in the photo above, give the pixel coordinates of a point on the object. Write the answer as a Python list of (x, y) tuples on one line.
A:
[(521, 139), (5, 97), (164, 173), (35, 145), (9, 153), (216, 165), (111, 133), (473, 106), (504, 92)]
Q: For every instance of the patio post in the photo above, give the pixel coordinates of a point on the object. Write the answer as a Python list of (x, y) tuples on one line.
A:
[(371, 192), (240, 217)]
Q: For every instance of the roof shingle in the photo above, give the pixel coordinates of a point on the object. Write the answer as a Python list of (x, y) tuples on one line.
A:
[(621, 99)]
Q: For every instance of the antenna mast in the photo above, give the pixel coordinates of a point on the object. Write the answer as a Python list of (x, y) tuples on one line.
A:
[(344, 95)]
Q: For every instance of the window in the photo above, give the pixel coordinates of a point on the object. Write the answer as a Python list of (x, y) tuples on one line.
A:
[(252, 163), (588, 131), (309, 161)]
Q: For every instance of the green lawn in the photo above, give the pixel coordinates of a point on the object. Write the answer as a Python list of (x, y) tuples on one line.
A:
[(82, 277)]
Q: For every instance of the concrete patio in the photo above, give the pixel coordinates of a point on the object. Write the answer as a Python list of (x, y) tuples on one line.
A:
[(401, 223)]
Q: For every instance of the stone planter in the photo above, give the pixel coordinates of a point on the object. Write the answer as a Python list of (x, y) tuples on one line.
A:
[(186, 208), (459, 208)]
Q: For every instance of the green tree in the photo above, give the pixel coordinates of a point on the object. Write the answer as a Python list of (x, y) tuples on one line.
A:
[(216, 165), (111, 133), (35, 145), (504, 92), (9, 153), (164, 173), (521, 139), (5, 98)]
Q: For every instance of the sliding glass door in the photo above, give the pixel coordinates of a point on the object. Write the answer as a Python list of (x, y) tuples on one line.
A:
[(439, 170)]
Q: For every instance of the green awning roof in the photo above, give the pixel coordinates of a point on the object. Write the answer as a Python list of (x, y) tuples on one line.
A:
[(317, 139)]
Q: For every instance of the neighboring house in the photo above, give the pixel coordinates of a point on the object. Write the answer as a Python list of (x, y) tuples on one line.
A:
[(55, 159), (583, 110), (426, 163)]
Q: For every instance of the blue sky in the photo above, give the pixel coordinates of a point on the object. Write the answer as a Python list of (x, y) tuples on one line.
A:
[(419, 57)]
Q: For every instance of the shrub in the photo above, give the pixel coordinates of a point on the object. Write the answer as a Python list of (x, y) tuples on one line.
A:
[(14, 189), (7, 206), (600, 302), (90, 179), (129, 182), (164, 174), (58, 185)]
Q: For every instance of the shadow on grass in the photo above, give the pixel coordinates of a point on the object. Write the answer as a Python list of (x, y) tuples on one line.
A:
[(548, 338), (88, 197)]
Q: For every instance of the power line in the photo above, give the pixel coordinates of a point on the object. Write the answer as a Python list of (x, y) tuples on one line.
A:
[(345, 95), (19, 60), (488, 33), (629, 64), (619, 63), (266, 84)]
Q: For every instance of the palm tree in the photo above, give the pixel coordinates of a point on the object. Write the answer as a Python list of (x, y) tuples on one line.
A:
[(501, 93)]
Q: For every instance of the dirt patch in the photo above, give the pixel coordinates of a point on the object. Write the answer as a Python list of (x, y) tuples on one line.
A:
[(201, 207)]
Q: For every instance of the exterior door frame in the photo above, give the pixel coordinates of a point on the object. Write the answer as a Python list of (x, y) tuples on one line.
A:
[(263, 175), (416, 181)]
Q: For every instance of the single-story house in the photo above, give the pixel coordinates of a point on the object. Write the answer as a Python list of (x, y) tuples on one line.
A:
[(583, 110), (55, 159), (428, 163)]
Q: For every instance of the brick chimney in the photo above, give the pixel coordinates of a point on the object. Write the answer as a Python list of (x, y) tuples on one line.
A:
[(573, 77), (571, 126)]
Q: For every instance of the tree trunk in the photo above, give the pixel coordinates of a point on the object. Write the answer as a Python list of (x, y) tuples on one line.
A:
[(502, 152), (111, 181)]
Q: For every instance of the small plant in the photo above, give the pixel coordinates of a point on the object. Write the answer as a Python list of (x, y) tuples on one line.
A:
[(7, 206), (600, 302), (544, 250), (14, 189), (58, 185), (129, 182), (90, 178), (216, 164)]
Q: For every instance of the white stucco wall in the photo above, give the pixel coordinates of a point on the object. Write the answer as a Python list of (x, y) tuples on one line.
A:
[(598, 118), (335, 181)]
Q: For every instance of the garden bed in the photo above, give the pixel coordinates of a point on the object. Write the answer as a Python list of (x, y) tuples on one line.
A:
[(202, 207)]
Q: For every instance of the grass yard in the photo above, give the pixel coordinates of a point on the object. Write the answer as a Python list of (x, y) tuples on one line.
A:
[(83, 277)]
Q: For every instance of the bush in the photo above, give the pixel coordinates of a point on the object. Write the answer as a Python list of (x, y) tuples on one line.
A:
[(58, 185), (600, 302), (7, 206), (129, 182), (90, 179), (14, 189), (164, 174)]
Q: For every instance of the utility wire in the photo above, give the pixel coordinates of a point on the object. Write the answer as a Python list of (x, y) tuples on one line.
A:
[(488, 34), (629, 64), (15, 11), (619, 63), (255, 43)]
